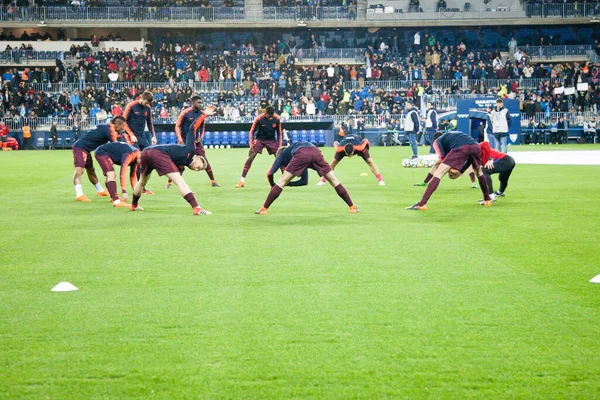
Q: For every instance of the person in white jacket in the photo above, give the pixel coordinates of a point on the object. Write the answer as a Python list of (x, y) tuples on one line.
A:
[(501, 121)]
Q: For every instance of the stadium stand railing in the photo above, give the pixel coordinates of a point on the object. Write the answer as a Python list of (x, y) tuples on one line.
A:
[(335, 55), (370, 120), (302, 13), (29, 56)]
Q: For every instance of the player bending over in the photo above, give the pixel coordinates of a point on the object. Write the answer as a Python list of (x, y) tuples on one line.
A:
[(82, 158), (165, 158), (296, 159), (265, 133), (354, 145), (499, 163), (184, 122), (126, 156), (456, 151)]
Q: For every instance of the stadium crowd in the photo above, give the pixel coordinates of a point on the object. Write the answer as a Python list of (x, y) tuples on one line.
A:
[(252, 77)]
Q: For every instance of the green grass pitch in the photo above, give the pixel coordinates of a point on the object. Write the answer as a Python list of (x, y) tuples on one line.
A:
[(306, 302)]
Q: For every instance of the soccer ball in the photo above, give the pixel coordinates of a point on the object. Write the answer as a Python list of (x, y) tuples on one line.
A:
[(406, 163), (222, 147), (414, 163), (228, 146), (211, 147)]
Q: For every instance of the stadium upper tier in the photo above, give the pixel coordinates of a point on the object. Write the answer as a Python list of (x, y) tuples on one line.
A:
[(256, 16)]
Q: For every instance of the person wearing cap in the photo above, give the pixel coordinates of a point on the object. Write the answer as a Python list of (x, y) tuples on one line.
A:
[(266, 132)]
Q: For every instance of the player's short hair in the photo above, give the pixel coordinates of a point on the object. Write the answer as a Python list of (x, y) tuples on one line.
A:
[(148, 96), (349, 149), (117, 118), (437, 135), (195, 98), (269, 110), (499, 101)]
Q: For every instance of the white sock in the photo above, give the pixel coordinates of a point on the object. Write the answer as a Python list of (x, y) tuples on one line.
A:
[(99, 187), (78, 191), (242, 179), (117, 201)]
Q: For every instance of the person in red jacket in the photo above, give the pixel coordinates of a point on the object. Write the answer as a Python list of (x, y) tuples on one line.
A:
[(4, 136), (496, 163)]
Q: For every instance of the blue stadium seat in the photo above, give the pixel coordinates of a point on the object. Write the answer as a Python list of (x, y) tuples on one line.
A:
[(304, 136), (208, 138), (321, 138), (226, 138), (294, 136), (313, 137), (172, 138), (235, 138), (163, 138), (244, 139)]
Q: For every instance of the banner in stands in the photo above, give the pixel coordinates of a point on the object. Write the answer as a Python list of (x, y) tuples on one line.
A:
[(465, 115)]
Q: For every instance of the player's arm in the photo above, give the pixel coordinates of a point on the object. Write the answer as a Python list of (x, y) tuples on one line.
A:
[(126, 161), (416, 122), (303, 181), (434, 122), (130, 137), (151, 125), (508, 119), (280, 132), (252, 131), (178, 127), (112, 133)]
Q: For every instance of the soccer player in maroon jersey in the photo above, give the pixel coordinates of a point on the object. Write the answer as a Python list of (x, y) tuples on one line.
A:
[(456, 152), (354, 145), (165, 159), (265, 133), (296, 159), (137, 115), (184, 122), (82, 158), (126, 156)]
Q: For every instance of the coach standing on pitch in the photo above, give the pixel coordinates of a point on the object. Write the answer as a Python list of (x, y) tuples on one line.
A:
[(411, 127), (501, 121), (431, 125)]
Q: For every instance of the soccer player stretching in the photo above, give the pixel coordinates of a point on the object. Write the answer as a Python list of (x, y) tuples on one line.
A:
[(265, 133), (184, 122), (137, 115), (296, 159), (354, 145), (82, 157), (496, 163), (165, 158), (122, 154), (456, 152)]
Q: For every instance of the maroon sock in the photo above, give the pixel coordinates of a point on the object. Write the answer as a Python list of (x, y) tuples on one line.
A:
[(135, 200), (247, 167), (112, 189), (484, 187), (472, 176), (343, 193), (428, 178), (191, 199), (273, 195), (429, 191)]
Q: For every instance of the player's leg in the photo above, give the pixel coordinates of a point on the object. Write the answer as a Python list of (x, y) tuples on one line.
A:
[(333, 164), (487, 173), (471, 172), (507, 164), (251, 156), (111, 185), (79, 196), (201, 152), (375, 170), (275, 191), (186, 193), (504, 143), (138, 191), (341, 191), (439, 172), (484, 187), (170, 182), (93, 178), (430, 138), (412, 138)]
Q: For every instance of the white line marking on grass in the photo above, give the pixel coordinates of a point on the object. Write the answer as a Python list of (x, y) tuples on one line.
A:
[(584, 157)]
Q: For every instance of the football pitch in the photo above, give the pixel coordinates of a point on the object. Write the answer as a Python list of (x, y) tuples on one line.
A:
[(306, 302)]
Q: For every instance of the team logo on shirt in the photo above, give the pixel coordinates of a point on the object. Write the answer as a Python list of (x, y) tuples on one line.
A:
[(145, 113), (274, 125)]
